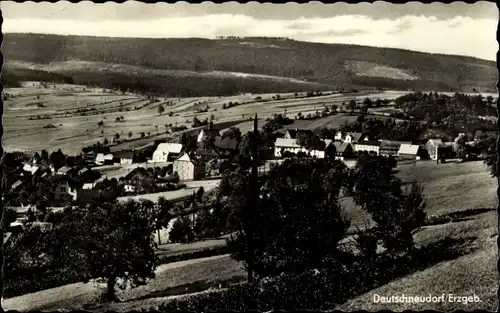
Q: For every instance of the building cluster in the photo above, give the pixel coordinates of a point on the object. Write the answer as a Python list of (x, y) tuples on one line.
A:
[(345, 146)]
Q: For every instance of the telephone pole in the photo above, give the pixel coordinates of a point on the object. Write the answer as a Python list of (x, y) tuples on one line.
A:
[(254, 194)]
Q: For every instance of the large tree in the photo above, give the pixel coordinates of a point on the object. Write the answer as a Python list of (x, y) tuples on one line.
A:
[(297, 221), (397, 210), (118, 240)]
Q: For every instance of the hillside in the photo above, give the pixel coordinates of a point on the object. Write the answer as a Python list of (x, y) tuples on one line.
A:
[(196, 67)]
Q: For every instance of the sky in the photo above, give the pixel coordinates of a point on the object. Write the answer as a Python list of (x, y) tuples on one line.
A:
[(457, 28)]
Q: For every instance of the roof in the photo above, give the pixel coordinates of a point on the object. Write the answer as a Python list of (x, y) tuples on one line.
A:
[(64, 169), (340, 147), (206, 132), (327, 142), (478, 133), (101, 156), (185, 158), (408, 149), (294, 132), (369, 143), (226, 143), (16, 184), (83, 170), (437, 142), (30, 168), (286, 143), (168, 147), (124, 154), (355, 136)]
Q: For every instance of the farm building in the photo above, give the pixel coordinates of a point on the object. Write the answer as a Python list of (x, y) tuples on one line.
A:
[(409, 152), (343, 150), (350, 137), (226, 145), (62, 186), (188, 169), (166, 152), (391, 148), (124, 157), (367, 146), (104, 159), (293, 133)]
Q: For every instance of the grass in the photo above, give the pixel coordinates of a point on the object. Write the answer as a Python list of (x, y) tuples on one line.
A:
[(473, 273), (75, 296)]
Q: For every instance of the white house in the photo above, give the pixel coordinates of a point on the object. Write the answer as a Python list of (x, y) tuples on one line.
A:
[(102, 159), (283, 144), (129, 188), (166, 152), (188, 169), (30, 168), (62, 185), (368, 146), (349, 137)]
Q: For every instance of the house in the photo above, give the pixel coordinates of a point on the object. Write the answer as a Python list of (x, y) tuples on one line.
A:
[(62, 186), (88, 186), (16, 185), (129, 188), (30, 168), (282, 145), (104, 159), (63, 170), (166, 152), (343, 150), (409, 152), (367, 146), (189, 169), (433, 147), (205, 156), (293, 133), (349, 137), (391, 148), (124, 157), (225, 145)]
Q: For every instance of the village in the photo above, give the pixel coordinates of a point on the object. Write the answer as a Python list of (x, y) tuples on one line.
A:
[(175, 171)]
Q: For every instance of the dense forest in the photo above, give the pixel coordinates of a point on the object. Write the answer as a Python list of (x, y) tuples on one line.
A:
[(313, 62)]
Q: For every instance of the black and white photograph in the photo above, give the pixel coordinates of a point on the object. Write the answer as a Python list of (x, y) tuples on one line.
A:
[(215, 157)]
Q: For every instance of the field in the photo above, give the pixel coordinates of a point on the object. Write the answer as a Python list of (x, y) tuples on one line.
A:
[(449, 188), (68, 130)]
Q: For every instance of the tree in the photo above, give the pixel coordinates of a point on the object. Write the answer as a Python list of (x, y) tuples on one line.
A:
[(117, 136), (130, 134), (188, 142), (367, 103), (160, 109), (118, 242), (351, 105), (182, 231), (334, 108), (297, 205), (199, 194), (143, 134), (397, 212)]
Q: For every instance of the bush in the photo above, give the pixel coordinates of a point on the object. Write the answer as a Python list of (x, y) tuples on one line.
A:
[(182, 231)]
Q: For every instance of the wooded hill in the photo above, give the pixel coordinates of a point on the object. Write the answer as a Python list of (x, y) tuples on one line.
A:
[(193, 66)]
